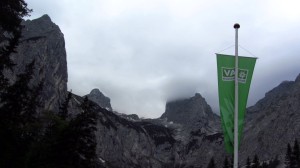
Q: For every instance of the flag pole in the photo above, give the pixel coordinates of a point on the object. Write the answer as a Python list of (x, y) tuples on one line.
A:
[(236, 102)]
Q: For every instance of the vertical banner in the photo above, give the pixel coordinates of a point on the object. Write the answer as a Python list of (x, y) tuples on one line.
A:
[(226, 75)]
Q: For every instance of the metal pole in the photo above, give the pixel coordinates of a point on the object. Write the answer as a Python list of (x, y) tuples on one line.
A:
[(236, 102)]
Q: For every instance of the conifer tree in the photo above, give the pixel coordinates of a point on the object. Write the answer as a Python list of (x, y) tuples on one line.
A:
[(288, 156), (296, 155), (11, 12), (264, 165), (12, 136), (19, 122), (226, 163), (84, 125), (255, 162), (53, 148), (274, 162), (248, 164), (211, 163)]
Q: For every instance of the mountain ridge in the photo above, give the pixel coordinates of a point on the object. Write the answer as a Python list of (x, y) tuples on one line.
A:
[(174, 139)]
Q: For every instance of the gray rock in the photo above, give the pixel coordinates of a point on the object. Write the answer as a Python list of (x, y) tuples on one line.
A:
[(273, 122), (188, 134), (99, 98), (43, 42), (192, 112)]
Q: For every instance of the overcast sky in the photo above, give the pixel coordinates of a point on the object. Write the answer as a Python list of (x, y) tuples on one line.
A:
[(141, 53)]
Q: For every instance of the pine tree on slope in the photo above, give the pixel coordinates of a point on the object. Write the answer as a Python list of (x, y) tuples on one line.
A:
[(226, 163), (288, 156), (19, 120), (11, 12), (211, 163), (296, 155), (248, 164), (255, 162)]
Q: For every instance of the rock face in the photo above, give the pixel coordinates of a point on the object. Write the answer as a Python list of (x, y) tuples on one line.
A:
[(159, 143), (199, 132), (43, 42), (123, 143), (187, 135), (189, 112), (99, 98), (273, 122)]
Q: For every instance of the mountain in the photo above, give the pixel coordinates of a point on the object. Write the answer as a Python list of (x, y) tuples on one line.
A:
[(188, 134), (192, 113), (273, 122), (99, 98), (124, 143), (43, 42)]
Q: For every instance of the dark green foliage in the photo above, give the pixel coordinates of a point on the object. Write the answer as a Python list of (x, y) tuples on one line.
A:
[(226, 163), (28, 138), (211, 163), (288, 156), (296, 155), (248, 164), (82, 136), (274, 162), (19, 122), (264, 165), (255, 163), (292, 156), (11, 13), (51, 148), (67, 143)]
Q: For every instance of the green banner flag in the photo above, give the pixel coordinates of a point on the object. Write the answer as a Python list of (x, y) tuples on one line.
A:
[(226, 77)]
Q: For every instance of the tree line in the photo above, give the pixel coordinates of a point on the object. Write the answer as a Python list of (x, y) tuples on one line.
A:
[(291, 160), (29, 137), (254, 163)]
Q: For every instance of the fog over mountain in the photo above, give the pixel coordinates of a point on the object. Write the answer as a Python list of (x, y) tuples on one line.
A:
[(143, 53)]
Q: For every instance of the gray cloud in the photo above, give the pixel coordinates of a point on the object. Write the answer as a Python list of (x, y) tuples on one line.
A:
[(142, 53)]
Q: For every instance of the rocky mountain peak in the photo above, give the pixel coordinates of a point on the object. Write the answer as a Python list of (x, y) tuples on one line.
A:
[(96, 92), (298, 79), (39, 27), (43, 42), (284, 89), (190, 111), (273, 122), (98, 97)]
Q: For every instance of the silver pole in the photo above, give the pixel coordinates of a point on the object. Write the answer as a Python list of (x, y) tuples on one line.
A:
[(236, 103)]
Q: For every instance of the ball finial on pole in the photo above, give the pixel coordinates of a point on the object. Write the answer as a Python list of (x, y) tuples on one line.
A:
[(236, 26)]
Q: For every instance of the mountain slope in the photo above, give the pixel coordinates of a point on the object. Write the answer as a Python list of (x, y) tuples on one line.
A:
[(98, 97), (43, 42), (188, 134), (273, 122)]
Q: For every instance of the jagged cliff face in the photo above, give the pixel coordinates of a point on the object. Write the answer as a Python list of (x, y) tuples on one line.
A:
[(99, 98), (125, 142), (273, 122), (192, 113), (199, 131), (188, 134), (43, 41)]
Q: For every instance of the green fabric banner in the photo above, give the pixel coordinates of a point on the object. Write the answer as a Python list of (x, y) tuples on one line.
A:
[(226, 76)]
